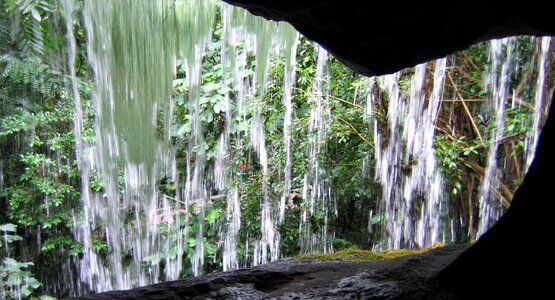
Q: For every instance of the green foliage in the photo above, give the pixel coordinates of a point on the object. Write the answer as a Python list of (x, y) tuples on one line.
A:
[(29, 29), (517, 126), (452, 154), (183, 227), (96, 183), (66, 242), (16, 281), (40, 190)]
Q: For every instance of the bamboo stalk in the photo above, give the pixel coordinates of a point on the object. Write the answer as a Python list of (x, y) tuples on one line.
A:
[(499, 196), (517, 164), (466, 109), (522, 103), (463, 54), (363, 108), (466, 100), (465, 75), (517, 100), (447, 125), (343, 165), (528, 74), (466, 92), (347, 102), (504, 139), (508, 195), (356, 131), (445, 131), (470, 209)]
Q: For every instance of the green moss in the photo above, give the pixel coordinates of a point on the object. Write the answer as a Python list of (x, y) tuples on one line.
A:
[(356, 255)]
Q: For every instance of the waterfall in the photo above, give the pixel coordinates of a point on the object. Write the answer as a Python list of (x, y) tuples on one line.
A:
[(504, 62), (405, 164), (229, 57), (223, 176), (496, 83), (134, 233), (132, 92), (315, 234), (291, 38), (405, 161), (425, 176), (263, 48), (263, 39), (540, 109), (133, 88), (83, 151)]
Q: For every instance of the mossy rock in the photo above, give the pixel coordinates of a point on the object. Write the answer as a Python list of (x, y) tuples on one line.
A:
[(357, 255)]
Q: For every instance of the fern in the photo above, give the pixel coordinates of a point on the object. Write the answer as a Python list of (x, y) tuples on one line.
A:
[(27, 24), (41, 80)]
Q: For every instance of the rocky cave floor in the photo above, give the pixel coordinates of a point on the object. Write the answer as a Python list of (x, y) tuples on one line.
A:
[(407, 277)]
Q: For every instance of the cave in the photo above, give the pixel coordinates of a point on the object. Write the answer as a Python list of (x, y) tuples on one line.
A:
[(193, 166), (376, 38)]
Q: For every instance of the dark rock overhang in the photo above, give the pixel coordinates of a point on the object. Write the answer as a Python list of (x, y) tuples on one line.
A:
[(380, 37)]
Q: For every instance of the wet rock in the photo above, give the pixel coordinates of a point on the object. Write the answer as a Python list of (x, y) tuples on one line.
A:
[(237, 291), (401, 278), (366, 285)]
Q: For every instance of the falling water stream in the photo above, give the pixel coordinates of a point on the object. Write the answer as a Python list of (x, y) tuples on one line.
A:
[(503, 63), (134, 50), (540, 97), (132, 84), (411, 148), (134, 57), (316, 186)]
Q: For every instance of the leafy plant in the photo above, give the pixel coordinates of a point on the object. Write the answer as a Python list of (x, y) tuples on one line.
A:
[(16, 281)]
